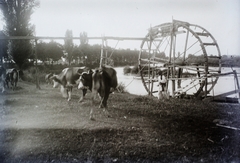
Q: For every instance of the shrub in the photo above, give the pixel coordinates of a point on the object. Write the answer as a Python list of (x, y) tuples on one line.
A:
[(30, 75), (134, 70), (121, 88), (126, 70)]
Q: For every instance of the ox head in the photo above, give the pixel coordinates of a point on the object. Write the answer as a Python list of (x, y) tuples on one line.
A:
[(85, 80), (47, 78)]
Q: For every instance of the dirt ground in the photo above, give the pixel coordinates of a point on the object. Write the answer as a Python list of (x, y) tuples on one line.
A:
[(41, 126)]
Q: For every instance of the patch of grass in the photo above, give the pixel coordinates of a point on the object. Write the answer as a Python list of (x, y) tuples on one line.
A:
[(188, 126), (9, 102), (30, 75), (141, 129), (121, 88)]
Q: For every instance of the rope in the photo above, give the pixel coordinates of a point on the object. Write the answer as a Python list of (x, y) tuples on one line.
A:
[(113, 50), (130, 82), (133, 78)]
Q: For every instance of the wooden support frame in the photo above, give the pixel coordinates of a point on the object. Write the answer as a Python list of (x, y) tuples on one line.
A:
[(36, 38), (74, 38), (237, 91)]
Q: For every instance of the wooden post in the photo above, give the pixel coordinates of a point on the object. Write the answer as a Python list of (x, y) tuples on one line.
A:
[(173, 68), (36, 66), (172, 43), (106, 52), (236, 78), (101, 58), (153, 70), (168, 73), (212, 88), (206, 78), (179, 75), (198, 74), (185, 48), (149, 64), (173, 81)]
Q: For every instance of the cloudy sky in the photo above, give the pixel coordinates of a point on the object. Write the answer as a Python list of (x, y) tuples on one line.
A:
[(132, 18)]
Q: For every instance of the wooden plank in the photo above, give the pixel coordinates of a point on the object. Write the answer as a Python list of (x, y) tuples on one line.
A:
[(218, 57), (222, 74), (151, 61), (202, 34), (151, 81), (227, 93), (187, 67), (210, 70), (161, 59), (209, 44)]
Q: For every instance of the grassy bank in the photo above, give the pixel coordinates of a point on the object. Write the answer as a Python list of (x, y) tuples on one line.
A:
[(41, 126), (185, 130)]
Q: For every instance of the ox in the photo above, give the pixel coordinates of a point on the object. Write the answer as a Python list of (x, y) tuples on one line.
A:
[(2, 77), (101, 82), (12, 77), (47, 78), (67, 79)]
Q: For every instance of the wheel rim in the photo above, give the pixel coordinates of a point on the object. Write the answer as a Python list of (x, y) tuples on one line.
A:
[(191, 56)]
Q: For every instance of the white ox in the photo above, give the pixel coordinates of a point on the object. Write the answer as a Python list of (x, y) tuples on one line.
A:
[(67, 79)]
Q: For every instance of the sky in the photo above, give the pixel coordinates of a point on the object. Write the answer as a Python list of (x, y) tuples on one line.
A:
[(133, 18)]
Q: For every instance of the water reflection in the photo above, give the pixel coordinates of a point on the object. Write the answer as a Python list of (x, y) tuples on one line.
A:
[(134, 84)]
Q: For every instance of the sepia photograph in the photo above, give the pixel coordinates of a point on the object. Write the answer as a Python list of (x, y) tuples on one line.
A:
[(112, 81)]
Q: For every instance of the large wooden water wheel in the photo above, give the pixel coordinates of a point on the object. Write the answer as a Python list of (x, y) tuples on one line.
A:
[(187, 53)]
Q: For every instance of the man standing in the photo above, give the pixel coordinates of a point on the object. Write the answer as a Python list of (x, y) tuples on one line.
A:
[(162, 83)]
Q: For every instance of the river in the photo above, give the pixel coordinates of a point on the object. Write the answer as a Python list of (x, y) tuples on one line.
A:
[(224, 84)]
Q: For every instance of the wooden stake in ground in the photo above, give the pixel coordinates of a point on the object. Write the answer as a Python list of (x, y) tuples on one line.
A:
[(36, 66), (229, 127)]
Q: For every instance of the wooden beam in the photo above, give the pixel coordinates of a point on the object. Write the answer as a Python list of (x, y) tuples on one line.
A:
[(227, 94), (60, 38), (151, 61), (222, 74)]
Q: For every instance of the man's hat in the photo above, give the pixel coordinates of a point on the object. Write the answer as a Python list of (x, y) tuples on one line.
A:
[(159, 72)]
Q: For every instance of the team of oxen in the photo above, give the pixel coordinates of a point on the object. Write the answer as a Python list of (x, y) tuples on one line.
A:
[(8, 76), (101, 82)]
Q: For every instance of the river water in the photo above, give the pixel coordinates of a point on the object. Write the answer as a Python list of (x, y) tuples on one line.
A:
[(224, 84)]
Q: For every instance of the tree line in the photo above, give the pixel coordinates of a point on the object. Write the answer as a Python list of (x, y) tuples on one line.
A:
[(24, 53), (16, 16), (53, 53)]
